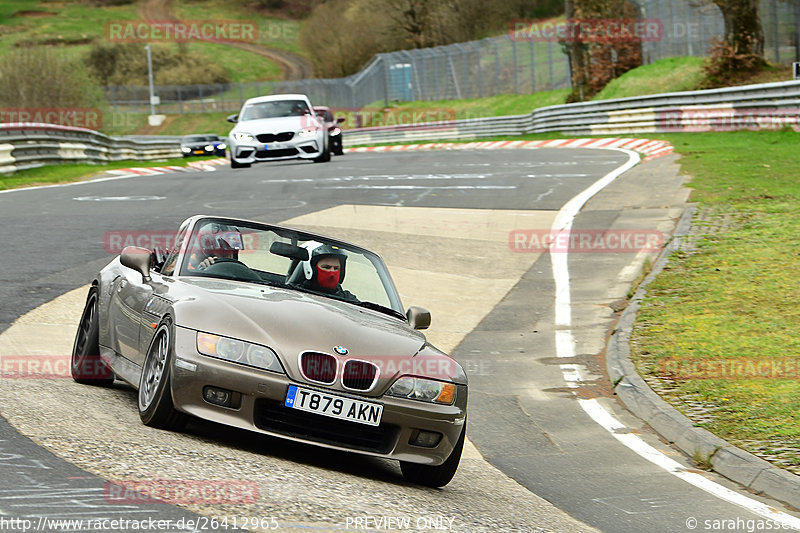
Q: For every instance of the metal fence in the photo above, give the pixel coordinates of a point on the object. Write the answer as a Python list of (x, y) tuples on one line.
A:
[(493, 66), (691, 26), (498, 65)]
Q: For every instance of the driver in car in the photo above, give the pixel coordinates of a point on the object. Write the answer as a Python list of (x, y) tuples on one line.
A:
[(324, 271), (215, 242)]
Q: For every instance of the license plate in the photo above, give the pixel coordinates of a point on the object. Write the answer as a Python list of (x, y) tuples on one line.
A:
[(334, 406), (274, 146), (199, 151)]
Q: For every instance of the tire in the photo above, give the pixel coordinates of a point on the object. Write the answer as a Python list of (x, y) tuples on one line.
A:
[(235, 164), (86, 365), (155, 394), (325, 156), (435, 476)]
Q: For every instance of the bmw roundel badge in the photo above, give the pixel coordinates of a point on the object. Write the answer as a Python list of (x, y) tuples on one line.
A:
[(341, 350)]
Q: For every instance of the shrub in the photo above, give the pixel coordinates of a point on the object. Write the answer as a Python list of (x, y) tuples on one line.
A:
[(126, 64), (40, 77)]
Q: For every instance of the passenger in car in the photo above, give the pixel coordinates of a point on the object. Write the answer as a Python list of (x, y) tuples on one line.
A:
[(325, 270)]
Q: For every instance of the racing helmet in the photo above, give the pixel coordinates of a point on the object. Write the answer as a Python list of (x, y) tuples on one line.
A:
[(221, 240), (317, 251)]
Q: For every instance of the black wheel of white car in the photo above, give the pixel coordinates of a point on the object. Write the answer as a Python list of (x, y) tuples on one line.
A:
[(86, 365), (325, 156), (155, 396), (435, 476)]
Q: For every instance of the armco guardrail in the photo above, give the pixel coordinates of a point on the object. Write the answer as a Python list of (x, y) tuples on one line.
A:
[(26, 145), (763, 106)]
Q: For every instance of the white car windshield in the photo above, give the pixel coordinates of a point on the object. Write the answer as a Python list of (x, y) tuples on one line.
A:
[(274, 109), (267, 255)]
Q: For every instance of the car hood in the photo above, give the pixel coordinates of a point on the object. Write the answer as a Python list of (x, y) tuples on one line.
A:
[(275, 125), (291, 322)]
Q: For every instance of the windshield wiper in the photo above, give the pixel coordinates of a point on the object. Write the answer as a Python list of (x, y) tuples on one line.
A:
[(382, 309)]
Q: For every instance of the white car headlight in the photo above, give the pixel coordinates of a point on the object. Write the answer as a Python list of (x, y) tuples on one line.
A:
[(238, 351), (307, 132), (426, 390), (243, 137)]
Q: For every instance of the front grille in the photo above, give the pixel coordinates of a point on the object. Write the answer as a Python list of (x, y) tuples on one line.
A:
[(319, 367), (275, 137), (359, 375), (285, 152), (274, 416)]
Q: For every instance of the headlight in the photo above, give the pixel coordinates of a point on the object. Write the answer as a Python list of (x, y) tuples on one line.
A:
[(308, 132), (185, 149), (243, 137), (335, 132), (238, 351), (426, 390), (209, 148), (221, 146)]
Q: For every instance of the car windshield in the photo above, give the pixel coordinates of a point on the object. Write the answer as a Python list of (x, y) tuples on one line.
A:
[(200, 138), (266, 255), (274, 109)]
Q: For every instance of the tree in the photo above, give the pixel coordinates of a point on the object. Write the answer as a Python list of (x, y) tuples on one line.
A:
[(743, 30), (596, 57)]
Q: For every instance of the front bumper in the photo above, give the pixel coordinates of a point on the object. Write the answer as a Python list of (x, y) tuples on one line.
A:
[(259, 406), (296, 148)]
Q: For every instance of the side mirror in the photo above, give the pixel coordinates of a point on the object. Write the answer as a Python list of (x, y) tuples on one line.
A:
[(418, 318), (340, 120), (233, 118), (138, 259)]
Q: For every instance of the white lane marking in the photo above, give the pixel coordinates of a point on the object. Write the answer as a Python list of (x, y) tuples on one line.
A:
[(557, 175), (565, 347), (600, 415), (118, 198), (414, 187)]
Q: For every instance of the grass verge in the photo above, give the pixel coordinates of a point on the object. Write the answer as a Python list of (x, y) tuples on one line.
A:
[(717, 334), (664, 76), (54, 174)]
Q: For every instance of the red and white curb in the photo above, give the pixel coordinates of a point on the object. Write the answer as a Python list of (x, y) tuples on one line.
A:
[(207, 165), (648, 147)]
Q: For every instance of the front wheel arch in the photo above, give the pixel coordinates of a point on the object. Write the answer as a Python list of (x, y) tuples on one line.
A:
[(154, 400)]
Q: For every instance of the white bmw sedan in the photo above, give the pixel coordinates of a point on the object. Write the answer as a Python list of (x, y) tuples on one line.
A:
[(281, 126)]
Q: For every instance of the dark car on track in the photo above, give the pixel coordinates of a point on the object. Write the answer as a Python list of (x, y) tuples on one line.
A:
[(204, 144), (334, 131), (278, 331)]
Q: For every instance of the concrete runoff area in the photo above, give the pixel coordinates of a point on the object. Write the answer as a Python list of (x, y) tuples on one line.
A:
[(99, 429)]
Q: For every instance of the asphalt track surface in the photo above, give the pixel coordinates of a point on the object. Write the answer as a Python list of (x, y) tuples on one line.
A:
[(522, 418)]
